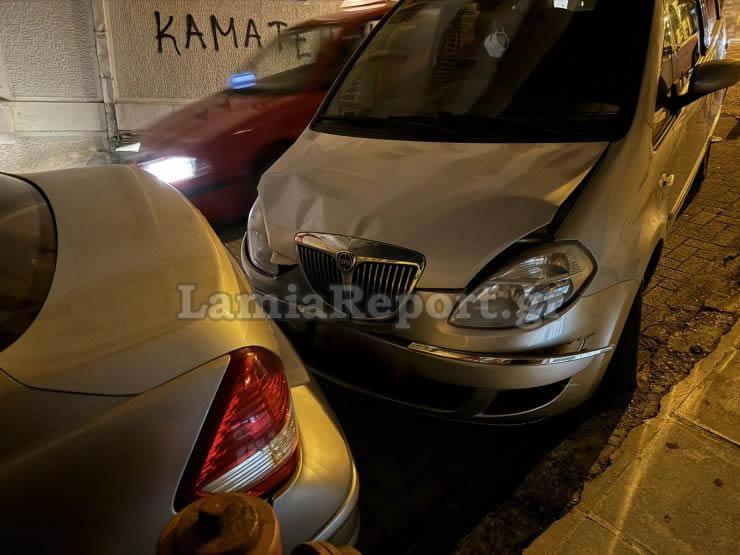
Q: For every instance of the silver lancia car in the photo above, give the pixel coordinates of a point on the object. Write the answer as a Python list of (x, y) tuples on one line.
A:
[(468, 223)]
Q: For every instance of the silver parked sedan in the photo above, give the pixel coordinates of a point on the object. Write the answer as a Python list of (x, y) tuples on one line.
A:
[(138, 374), (467, 225)]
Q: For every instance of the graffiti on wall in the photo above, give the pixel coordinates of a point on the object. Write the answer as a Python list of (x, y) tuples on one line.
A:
[(214, 33)]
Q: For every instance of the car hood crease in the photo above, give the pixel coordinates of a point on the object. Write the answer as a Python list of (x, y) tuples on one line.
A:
[(457, 204)]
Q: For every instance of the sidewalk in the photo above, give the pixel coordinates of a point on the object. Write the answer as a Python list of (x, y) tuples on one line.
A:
[(674, 485)]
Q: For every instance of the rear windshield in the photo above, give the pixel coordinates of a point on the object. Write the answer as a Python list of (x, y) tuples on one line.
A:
[(537, 70), (28, 252)]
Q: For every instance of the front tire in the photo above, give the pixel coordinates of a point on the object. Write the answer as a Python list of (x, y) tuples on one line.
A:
[(621, 374), (704, 169)]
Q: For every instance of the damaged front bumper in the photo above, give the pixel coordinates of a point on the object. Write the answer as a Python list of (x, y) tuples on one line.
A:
[(498, 376)]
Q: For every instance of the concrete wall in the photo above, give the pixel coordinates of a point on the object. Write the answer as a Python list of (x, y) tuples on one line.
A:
[(166, 52), (51, 110), (75, 72)]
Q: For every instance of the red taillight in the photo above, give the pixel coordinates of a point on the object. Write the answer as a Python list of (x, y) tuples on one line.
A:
[(249, 440)]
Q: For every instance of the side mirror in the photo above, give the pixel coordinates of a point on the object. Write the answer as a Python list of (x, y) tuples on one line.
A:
[(707, 78)]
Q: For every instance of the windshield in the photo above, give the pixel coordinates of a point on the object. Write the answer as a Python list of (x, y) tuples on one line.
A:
[(27, 256), (545, 70), (289, 60)]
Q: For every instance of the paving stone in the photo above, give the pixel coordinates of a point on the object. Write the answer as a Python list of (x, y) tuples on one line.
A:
[(657, 296), (577, 534), (671, 284), (727, 219), (703, 217), (694, 265), (706, 246), (681, 253), (669, 263), (725, 238), (715, 405), (712, 229), (691, 209), (673, 240), (707, 255), (670, 273), (688, 228), (679, 495)]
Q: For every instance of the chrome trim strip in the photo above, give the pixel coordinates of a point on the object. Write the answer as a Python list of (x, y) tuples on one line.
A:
[(365, 250), (478, 358)]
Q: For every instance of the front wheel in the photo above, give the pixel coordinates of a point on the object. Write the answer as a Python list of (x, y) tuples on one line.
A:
[(704, 169), (621, 373)]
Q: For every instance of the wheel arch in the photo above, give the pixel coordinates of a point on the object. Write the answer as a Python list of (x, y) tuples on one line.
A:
[(652, 264)]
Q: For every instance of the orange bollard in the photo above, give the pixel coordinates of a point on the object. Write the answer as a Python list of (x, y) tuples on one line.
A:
[(323, 548), (223, 524)]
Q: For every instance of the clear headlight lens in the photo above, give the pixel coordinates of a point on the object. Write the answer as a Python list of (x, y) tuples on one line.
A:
[(534, 287), (172, 169), (259, 251)]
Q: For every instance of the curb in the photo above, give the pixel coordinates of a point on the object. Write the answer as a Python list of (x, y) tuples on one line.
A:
[(581, 528)]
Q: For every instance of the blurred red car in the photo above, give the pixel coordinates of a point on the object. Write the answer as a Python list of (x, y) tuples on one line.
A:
[(215, 150)]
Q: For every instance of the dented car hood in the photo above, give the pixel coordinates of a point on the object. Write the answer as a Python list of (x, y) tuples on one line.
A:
[(458, 204)]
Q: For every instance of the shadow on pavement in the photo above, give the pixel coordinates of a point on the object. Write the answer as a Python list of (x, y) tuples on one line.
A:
[(425, 483)]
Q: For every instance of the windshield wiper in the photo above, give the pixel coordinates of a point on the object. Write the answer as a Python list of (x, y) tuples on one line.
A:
[(448, 126), (390, 122)]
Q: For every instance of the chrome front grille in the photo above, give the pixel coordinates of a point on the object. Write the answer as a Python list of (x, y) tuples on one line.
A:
[(379, 278), (374, 288), (321, 270)]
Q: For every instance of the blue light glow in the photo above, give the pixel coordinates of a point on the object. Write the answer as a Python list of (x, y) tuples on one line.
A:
[(242, 80)]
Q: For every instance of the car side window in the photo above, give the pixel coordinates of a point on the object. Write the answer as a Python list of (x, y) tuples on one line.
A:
[(684, 18), (663, 116), (710, 19)]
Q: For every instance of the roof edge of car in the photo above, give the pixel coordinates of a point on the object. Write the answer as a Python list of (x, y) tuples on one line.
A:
[(359, 13)]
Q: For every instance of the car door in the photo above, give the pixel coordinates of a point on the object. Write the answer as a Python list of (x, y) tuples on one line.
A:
[(692, 122), (664, 156), (715, 40)]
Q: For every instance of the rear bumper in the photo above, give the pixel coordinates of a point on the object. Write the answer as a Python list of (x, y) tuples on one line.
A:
[(320, 502)]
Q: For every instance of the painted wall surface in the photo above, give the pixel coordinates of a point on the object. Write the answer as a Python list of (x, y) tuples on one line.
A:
[(171, 49), (75, 72), (49, 49), (51, 110), (51, 151)]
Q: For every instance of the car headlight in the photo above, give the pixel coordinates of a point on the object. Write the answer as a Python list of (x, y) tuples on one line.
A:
[(171, 169), (259, 251), (133, 147), (533, 287)]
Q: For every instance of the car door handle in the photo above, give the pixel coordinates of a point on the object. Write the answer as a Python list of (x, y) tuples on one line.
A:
[(666, 181)]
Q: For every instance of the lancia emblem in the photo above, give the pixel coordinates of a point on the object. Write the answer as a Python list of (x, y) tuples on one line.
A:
[(346, 261)]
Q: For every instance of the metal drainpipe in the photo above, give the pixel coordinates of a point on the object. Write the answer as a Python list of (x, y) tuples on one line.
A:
[(106, 78)]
